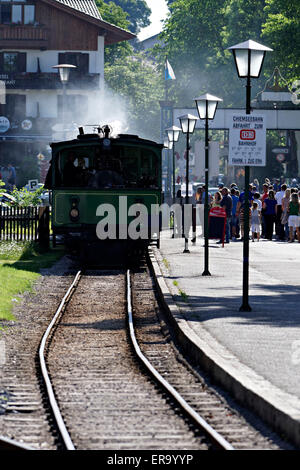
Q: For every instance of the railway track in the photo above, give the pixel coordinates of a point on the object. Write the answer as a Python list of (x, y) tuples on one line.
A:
[(182, 435), (108, 394)]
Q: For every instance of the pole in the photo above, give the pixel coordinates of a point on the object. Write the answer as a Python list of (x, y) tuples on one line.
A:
[(206, 270), (186, 248), (64, 109), (173, 171), (245, 307)]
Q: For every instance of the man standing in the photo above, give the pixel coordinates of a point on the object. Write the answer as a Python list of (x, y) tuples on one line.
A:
[(11, 177), (226, 203)]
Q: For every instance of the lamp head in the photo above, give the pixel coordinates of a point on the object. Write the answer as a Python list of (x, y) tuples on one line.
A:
[(249, 57), (207, 105), (188, 122)]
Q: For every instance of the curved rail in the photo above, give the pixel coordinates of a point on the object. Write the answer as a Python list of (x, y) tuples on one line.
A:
[(214, 435), (11, 444), (52, 400)]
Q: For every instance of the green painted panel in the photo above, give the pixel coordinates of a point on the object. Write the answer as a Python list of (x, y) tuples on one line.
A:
[(89, 201)]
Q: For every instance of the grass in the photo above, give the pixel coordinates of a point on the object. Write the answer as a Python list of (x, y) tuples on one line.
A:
[(183, 295), (20, 265)]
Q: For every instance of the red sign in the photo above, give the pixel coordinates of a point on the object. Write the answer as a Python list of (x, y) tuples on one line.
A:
[(248, 134)]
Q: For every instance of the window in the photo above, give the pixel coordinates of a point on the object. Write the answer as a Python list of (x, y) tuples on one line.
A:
[(12, 62), (5, 14), (79, 59), (29, 14), (16, 12), (15, 108)]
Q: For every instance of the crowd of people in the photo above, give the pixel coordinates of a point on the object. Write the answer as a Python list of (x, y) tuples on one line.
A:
[(274, 212)]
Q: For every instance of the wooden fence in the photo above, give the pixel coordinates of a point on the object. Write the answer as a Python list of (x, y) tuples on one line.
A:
[(22, 223)]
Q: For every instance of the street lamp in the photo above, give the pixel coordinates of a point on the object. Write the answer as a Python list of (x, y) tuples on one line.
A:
[(64, 72), (248, 57), (187, 122), (207, 106), (168, 146), (173, 136)]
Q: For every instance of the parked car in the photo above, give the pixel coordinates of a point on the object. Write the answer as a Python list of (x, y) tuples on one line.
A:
[(6, 199)]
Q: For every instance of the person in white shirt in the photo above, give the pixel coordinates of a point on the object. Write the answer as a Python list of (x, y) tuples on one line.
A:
[(279, 228)]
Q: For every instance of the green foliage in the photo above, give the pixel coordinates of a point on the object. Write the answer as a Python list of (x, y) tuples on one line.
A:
[(282, 32), (138, 13), (114, 14), (138, 80), (2, 184), (198, 32), (25, 198)]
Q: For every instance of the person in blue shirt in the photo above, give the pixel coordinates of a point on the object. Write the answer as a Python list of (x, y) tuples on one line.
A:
[(234, 219)]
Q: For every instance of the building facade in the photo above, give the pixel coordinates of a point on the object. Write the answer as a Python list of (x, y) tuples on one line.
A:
[(36, 35)]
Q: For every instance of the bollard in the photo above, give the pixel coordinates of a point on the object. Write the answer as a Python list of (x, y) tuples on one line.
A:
[(43, 228)]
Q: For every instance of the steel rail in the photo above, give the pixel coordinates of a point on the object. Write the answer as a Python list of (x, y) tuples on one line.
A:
[(52, 400), (11, 444), (214, 435)]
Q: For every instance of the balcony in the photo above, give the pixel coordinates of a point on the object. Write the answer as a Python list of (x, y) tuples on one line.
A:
[(24, 36), (50, 81)]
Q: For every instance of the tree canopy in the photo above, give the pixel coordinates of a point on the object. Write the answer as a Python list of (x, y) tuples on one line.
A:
[(195, 39), (198, 32), (139, 83), (138, 13)]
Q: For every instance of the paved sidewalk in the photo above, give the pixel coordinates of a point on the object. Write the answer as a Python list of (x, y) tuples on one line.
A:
[(261, 346)]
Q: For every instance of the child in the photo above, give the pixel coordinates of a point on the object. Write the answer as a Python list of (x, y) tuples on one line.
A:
[(255, 221)]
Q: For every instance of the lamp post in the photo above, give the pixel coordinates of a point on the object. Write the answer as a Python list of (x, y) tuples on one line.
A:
[(187, 122), (168, 146), (249, 57), (64, 72), (173, 136), (207, 106)]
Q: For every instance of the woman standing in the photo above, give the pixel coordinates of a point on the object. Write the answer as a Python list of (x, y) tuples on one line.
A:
[(269, 206), (294, 217), (217, 199), (285, 203)]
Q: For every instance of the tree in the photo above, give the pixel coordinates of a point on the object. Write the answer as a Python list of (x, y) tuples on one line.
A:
[(282, 31), (138, 13), (138, 81), (114, 14), (196, 36)]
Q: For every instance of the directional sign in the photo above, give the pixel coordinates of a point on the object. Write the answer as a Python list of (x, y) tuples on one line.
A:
[(247, 140)]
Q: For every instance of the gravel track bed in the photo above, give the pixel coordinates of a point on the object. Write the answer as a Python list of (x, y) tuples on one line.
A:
[(106, 402), (23, 416), (242, 430)]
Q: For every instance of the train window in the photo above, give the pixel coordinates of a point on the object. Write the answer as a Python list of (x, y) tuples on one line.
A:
[(122, 167), (74, 167)]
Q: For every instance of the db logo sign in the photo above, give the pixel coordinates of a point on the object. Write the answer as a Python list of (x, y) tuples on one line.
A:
[(247, 134)]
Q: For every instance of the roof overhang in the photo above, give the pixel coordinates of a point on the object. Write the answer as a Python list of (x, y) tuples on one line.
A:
[(112, 34)]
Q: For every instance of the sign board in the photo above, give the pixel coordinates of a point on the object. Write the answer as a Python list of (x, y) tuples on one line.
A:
[(32, 184), (183, 190), (4, 124), (247, 140), (26, 125), (217, 223)]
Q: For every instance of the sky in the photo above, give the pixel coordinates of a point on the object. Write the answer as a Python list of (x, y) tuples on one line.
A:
[(159, 12)]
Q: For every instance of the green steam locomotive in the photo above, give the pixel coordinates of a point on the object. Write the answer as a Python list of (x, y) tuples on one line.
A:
[(106, 193)]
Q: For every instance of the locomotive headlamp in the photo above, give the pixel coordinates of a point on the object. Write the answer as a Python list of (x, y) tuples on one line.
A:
[(74, 212)]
